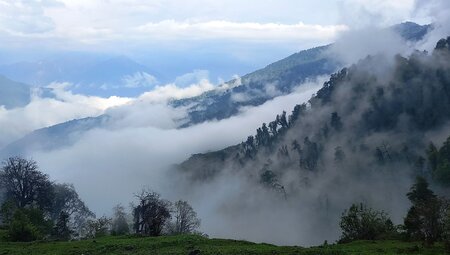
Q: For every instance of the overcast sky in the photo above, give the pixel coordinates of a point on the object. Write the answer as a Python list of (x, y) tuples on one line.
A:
[(249, 33), (118, 24)]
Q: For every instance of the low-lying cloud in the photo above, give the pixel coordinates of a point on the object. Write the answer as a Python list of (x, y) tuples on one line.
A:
[(64, 105), (46, 111), (128, 156)]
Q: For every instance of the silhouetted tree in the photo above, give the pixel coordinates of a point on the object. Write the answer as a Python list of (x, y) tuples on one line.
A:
[(25, 184), (151, 213), (336, 121), (61, 230), (423, 219)]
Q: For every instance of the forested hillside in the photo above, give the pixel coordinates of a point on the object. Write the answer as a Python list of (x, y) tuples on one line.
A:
[(364, 137)]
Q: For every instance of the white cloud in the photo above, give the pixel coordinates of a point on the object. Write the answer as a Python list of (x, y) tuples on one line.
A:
[(439, 11), (139, 79), (142, 144), (222, 29), (172, 91), (191, 78), (65, 105), (85, 23), (25, 16), (43, 112), (362, 13)]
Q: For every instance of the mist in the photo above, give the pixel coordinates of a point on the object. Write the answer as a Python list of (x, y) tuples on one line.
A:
[(136, 152)]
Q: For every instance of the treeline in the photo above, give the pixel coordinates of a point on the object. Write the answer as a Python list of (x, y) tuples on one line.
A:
[(35, 208), (427, 220)]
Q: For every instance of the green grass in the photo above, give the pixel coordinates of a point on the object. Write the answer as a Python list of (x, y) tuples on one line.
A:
[(190, 244)]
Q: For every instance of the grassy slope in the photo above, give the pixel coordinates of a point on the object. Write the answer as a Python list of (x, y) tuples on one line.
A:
[(200, 245)]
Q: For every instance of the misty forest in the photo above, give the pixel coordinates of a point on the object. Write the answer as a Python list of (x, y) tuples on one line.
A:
[(116, 137)]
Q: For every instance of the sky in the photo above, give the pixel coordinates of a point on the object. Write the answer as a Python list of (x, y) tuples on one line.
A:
[(222, 37)]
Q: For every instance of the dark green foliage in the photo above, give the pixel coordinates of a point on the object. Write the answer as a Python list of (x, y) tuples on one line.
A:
[(424, 219), (61, 230), (336, 122), (363, 223), (412, 224), (439, 161), (310, 155), (420, 193), (21, 229), (446, 233), (32, 198), (31, 222), (268, 178), (196, 244), (7, 211)]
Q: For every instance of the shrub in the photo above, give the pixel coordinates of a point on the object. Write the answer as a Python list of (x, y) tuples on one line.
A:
[(21, 229), (362, 223)]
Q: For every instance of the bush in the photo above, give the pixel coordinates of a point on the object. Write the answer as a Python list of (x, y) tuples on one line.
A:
[(21, 229), (446, 234), (362, 223)]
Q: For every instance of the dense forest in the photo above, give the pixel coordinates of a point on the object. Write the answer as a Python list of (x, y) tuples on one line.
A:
[(378, 113)]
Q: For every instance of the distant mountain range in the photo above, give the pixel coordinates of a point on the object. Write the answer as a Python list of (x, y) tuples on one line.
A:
[(13, 94), (89, 74), (253, 89)]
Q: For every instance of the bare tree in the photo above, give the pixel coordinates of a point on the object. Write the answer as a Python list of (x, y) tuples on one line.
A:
[(151, 214), (185, 218)]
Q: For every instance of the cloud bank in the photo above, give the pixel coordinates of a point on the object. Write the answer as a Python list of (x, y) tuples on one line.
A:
[(137, 151)]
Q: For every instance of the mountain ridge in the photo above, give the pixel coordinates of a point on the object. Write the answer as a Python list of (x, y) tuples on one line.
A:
[(255, 88)]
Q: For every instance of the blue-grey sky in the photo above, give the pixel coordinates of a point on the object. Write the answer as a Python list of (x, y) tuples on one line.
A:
[(235, 36)]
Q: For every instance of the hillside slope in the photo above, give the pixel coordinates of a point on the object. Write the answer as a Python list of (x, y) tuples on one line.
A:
[(357, 112), (363, 137)]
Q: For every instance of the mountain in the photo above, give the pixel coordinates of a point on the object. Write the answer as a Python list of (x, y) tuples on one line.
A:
[(363, 138), (359, 104), (91, 74), (276, 79), (365, 127), (13, 94), (412, 31), (59, 135), (256, 88)]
